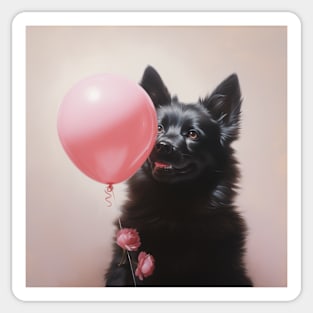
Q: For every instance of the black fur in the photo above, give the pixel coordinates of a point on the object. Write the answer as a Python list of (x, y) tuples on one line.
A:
[(181, 200)]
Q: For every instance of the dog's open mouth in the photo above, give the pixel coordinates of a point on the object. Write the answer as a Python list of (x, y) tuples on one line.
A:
[(164, 168)]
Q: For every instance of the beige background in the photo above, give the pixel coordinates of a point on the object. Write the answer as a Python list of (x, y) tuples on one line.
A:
[(69, 228)]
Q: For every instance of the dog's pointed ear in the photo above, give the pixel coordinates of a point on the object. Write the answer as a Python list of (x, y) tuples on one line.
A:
[(224, 104), (152, 83)]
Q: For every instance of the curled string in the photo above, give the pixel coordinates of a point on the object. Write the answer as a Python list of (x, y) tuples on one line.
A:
[(109, 192)]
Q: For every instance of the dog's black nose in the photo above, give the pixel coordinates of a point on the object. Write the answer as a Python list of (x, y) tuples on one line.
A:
[(164, 147)]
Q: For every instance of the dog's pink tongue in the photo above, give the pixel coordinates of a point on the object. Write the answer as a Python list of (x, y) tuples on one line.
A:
[(161, 165)]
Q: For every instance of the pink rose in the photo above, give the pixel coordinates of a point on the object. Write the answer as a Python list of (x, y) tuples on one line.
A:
[(128, 239), (145, 265)]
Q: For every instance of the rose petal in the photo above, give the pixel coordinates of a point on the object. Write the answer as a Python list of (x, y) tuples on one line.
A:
[(128, 239), (146, 265)]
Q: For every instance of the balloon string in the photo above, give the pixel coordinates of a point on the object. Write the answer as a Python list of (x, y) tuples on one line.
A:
[(109, 192), (108, 199), (131, 269), (129, 258)]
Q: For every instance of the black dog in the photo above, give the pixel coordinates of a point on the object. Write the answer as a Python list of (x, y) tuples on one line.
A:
[(181, 200)]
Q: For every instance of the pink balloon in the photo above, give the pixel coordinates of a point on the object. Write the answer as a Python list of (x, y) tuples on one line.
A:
[(107, 125)]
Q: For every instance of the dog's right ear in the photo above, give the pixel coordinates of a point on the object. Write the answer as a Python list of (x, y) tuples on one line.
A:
[(152, 83), (225, 106)]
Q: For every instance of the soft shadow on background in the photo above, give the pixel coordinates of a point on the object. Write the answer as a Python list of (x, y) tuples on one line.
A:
[(69, 227)]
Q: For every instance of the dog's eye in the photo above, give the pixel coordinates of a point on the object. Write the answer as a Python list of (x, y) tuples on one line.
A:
[(160, 128), (193, 134)]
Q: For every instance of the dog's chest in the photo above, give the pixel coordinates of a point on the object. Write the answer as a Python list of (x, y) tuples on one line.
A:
[(166, 236)]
